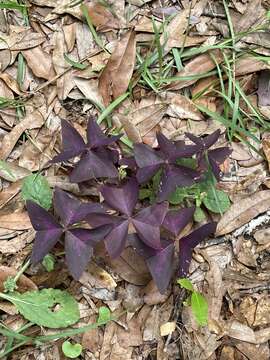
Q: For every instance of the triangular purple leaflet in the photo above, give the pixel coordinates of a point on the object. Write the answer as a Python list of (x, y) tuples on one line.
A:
[(189, 242)]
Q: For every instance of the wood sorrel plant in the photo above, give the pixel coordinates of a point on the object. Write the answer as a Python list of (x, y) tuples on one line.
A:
[(122, 219)]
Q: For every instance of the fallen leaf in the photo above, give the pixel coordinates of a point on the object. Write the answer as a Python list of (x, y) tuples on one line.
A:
[(65, 81), (32, 120), (8, 115), (39, 62), (15, 221), (181, 107), (115, 77), (167, 328), (102, 18), (21, 40), (24, 284), (248, 64), (197, 66), (266, 149), (15, 245), (243, 211)]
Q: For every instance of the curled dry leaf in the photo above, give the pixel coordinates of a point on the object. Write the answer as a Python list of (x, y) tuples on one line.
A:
[(116, 75), (32, 120), (21, 39), (24, 284), (248, 64), (102, 18), (39, 62), (181, 107), (197, 66), (243, 211)]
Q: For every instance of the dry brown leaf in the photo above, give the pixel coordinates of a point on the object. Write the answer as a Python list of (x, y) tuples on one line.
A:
[(97, 277), (197, 66), (15, 221), (181, 107), (248, 64), (176, 27), (32, 120), (11, 83), (8, 115), (130, 129), (243, 211), (252, 15), (102, 18), (37, 152), (21, 39), (148, 115), (131, 267), (65, 82), (115, 77), (13, 246), (39, 62), (91, 338), (266, 149), (24, 284)]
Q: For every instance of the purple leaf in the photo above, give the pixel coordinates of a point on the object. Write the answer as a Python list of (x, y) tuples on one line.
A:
[(145, 156), (161, 267), (78, 253), (115, 242), (145, 174), (205, 142), (165, 145), (72, 143), (40, 218), (122, 198), (174, 176), (103, 219), (79, 245), (147, 224), (95, 136), (188, 243), (176, 220), (71, 210), (45, 240), (93, 166)]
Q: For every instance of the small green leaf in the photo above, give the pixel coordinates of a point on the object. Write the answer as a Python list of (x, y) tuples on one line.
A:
[(104, 314), (199, 215), (71, 350), (188, 162), (52, 308), (48, 262), (145, 193), (36, 188), (178, 196), (186, 284), (199, 308), (216, 200)]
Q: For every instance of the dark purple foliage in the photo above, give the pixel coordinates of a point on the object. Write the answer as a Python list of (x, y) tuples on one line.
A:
[(213, 157), (159, 262), (146, 222), (151, 230), (189, 242), (150, 161), (97, 160), (79, 242)]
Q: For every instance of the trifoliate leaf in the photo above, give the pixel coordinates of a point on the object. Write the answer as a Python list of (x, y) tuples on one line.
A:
[(104, 314), (49, 307), (216, 201), (71, 350), (199, 308), (36, 188), (186, 284)]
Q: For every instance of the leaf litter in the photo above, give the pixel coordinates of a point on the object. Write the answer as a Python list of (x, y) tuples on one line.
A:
[(141, 68)]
